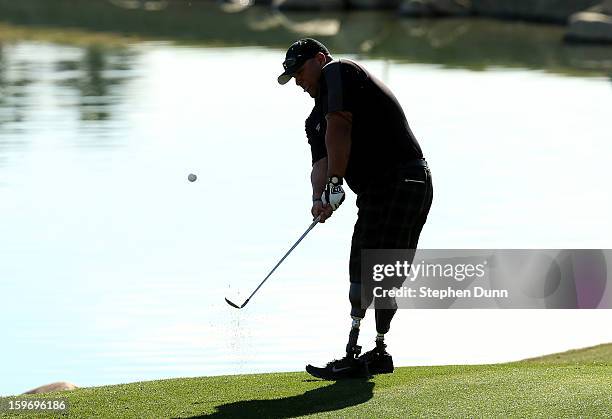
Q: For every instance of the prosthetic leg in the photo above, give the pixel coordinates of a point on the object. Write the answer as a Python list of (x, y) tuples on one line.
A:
[(357, 313), (350, 366), (378, 360)]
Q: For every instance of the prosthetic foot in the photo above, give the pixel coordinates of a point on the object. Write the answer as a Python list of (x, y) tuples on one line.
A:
[(378, 360), (348, 367)]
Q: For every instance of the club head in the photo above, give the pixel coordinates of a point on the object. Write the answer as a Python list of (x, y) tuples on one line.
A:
[(232, 304)]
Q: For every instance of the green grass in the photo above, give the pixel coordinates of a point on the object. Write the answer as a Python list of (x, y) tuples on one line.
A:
[(572, 384), (600, 354)]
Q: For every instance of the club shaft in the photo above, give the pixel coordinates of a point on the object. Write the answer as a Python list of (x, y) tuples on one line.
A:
[(314, 223)]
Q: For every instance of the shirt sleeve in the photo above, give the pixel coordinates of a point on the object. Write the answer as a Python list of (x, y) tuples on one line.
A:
[(318, 151), (342, 86), (315, 132)]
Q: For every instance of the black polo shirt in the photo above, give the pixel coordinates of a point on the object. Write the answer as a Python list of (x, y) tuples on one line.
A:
[(381, 139)]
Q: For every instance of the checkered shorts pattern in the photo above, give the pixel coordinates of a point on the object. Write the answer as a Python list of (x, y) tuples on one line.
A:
[(391, 214)]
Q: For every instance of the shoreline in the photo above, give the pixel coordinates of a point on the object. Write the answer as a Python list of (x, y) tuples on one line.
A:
[(569, 384), (586, 21), (597, 354)]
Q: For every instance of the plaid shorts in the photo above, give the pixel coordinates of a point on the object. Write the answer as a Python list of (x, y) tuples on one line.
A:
[(391, 214)]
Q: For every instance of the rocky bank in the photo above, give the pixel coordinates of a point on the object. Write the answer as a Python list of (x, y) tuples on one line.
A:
[(586, 20)]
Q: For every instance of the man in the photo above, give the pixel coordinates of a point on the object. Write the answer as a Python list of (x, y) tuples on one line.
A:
[(358, 132)]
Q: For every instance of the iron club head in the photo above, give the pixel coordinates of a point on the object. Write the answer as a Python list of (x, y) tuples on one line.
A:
[(232, 304)]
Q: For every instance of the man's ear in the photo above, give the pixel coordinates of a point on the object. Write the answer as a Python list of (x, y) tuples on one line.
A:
[(321, 58)]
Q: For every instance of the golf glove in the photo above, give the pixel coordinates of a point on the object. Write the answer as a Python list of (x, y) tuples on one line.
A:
[(333, 193)]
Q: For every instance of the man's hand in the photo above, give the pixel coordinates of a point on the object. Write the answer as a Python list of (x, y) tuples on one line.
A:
[(324, 211), (333, 195)]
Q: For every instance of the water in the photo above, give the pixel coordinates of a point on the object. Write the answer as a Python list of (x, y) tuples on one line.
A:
[(114, 267)]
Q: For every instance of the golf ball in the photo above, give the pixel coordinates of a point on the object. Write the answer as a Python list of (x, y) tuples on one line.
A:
[(192, 177)]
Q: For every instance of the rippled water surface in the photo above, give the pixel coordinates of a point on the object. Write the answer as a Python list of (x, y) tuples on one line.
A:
[(114, 267)]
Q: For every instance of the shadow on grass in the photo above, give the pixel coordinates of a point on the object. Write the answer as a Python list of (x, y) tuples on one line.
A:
[(340, 394)]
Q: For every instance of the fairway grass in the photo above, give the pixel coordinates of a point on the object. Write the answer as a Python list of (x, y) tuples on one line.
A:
[(571, 384)]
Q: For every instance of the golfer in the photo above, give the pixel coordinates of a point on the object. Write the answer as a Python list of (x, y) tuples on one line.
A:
[(358, 134)]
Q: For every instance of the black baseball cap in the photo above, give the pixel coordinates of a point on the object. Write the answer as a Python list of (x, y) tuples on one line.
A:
[(297, 54)]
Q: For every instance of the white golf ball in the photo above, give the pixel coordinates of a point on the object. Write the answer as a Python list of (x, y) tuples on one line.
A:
[(192, 177)]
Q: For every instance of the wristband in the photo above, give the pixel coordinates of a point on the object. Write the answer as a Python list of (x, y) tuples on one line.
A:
[(316, 199)]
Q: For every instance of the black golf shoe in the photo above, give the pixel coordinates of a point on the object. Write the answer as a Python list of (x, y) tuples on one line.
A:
[(347, 367), (378, 360)]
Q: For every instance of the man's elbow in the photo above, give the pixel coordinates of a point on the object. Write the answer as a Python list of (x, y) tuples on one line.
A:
[(340, 118), (320, 163), (339, 124)]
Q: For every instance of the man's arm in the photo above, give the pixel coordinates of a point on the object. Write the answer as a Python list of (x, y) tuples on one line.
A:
[(338, 142), (318, 177)]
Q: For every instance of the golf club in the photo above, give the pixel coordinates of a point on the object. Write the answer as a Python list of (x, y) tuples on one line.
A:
[(314, 223)]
